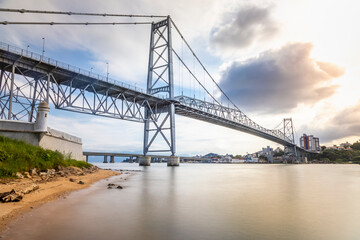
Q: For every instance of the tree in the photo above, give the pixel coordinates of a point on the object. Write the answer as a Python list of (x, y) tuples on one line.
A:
[(356, 159), (356, 146), (263, 157), (323, 148), (279, 153)]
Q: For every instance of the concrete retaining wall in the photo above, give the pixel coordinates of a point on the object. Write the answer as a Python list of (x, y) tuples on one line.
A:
[(52, 139)]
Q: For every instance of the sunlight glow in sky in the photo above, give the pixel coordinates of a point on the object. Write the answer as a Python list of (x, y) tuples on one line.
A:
[(312, 48)]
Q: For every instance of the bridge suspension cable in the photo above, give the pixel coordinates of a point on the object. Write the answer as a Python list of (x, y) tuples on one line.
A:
[(74, 23), (203, 67), (183, 40), (195, 77), (81, 13), (279, 126), (207, 73)]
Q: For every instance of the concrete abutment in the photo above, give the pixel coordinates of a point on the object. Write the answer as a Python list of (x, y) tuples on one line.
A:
[(144, 161), (173, 161)]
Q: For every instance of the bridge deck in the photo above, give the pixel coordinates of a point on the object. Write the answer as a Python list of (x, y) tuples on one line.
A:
[(194, 113), (35, 66)]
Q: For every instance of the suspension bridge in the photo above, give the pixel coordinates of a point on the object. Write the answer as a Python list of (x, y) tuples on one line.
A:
[(28, 78)]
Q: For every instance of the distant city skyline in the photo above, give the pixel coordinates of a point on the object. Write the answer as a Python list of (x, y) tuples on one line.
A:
[(275, 59)]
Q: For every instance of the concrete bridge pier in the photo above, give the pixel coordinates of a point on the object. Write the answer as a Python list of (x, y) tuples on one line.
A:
[(112, 159), (303, 157), (131, 160), (144, 161), (105, 159), (173, 161)]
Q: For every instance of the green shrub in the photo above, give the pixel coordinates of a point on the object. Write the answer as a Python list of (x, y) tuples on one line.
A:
[(17, 156), (356, 159), (3, 155), (79, 164)]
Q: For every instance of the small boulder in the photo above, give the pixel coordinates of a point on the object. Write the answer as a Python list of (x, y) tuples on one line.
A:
[(11, 196), (30, 189), (51, 172), (27, 175), (33, 172), (75, 171), (19, 175), (119, 187), (44, 176), (111, 185), (60, 168), (81, 182), (71, 180)]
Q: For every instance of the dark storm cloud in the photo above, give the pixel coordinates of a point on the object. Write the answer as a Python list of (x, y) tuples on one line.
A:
[(279, 80), (249, 24)]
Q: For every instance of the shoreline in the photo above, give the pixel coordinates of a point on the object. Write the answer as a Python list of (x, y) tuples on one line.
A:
[(48, 191)]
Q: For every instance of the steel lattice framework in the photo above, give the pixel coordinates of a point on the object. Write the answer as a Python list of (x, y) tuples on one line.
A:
[(160, 80), (228, 117), (67, 87), (27, 78)]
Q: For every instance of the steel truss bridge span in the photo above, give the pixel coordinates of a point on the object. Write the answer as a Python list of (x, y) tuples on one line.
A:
[(67, 87), (73, 89), (227, 117)]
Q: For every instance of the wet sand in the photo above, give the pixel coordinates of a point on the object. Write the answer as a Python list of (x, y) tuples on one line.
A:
[(48, 191)]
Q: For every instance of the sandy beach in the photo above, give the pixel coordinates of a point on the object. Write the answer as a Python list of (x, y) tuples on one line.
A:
[(48, 190)]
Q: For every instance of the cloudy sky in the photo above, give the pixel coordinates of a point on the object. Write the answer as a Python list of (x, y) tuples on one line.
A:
[(275, 59)]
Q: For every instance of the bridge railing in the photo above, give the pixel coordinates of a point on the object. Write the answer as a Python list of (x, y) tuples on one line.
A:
[(229, 113), (41, 58)]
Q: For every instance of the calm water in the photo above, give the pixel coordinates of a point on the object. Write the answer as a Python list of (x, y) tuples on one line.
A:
[(204, 201)]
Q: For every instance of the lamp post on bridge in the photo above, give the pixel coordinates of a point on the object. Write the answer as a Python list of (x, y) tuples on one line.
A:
[(43, 49), (107, 71)]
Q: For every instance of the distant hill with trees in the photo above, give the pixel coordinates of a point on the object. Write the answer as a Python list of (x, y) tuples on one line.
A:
[(341, 155)]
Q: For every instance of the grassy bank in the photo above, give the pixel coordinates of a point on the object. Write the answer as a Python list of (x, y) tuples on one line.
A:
[(17, 156)]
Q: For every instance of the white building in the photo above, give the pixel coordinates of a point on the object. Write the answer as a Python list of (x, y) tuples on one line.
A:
[(237, 160), (252, 160)]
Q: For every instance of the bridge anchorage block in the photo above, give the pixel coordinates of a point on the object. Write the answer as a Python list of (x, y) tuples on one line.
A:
[(144, 161), (173, 161)]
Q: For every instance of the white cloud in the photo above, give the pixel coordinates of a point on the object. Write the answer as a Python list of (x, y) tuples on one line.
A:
[(126, 49)]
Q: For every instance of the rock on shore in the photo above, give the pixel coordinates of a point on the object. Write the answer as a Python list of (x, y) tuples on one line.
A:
[(43, 176), (33, 190)]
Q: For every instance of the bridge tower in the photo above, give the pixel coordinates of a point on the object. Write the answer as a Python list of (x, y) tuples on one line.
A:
[(160, 124), (288, 130)]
